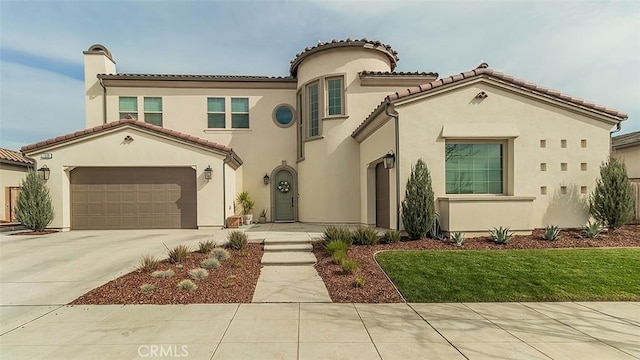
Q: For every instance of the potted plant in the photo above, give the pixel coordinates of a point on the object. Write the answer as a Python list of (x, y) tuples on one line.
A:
[(263, 216), (247, 205)]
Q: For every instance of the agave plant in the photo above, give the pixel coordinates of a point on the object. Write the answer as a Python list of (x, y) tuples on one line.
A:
[(592, 230), (501, 235), (458, 238), (551, 232)]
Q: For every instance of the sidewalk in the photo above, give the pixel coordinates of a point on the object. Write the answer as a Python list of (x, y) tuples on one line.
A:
[(332, 331)]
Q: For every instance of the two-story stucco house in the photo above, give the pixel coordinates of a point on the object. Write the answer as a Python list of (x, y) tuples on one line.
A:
[(173, 151)]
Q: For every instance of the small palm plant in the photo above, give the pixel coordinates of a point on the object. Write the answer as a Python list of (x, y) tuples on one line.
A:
[(551, 232), (500, 235)]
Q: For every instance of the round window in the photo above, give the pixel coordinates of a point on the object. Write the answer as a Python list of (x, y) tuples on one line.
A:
[(283, 115)]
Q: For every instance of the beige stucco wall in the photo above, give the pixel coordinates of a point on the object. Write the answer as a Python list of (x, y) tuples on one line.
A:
[(521, 121), (95, 64), (146, 150), (10, 176), (631, 158)]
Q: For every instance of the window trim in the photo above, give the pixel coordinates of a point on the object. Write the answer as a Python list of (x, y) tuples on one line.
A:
[(145, 111), (224, 102), (300, 128), (275, 111), (507, 165), (343, 102)]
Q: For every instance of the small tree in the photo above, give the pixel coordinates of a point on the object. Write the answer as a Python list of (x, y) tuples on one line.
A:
[(34, 209), (612, 200), (418, 210)]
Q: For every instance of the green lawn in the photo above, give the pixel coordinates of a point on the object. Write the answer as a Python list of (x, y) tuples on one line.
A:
[(515, 275)]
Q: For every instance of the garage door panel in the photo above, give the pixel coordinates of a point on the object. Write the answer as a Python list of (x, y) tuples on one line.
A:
[(131, 198)]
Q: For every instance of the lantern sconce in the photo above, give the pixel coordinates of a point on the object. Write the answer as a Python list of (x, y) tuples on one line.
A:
[(265, 178), (44, 172), (208, 172), (390, 160)]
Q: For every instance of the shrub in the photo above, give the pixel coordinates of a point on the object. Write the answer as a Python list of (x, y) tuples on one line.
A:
[(206, 246), (237, 239), (612, 200), (592, 230), (210, 263), (337, 233), (34, 209), (237, 264), (358, 281), (365, 236), (187, 285), (227, 283), (148, 263), (198, 273), (551, 232), (500, 235), (335, 246), (349, 266), (163, 274), (147, 288), (391, 236), (220, 254), (178, 253), (458, 238), (418, 207)]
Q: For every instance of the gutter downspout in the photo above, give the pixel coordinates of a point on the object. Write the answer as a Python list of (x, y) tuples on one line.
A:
[(618, 128), (224, 191), (396, 117), (104, 101)]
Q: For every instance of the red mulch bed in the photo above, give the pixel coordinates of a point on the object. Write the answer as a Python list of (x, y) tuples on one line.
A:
[(31, 233), (378, 289), (229, 283)]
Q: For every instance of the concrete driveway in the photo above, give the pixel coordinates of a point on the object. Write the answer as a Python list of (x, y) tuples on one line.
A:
[(40, 273)]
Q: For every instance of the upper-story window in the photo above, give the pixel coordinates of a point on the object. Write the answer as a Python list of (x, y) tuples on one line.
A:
[(216, 113), (128, 107), (153, 110), (335, 100), (240, 113), (313, 106)]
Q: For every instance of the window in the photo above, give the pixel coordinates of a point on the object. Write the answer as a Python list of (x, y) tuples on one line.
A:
[(334, 96), (474, 168), (240, 113), (300, 133), (312, 99), (283, 115), (153, 110), (128, 107), (215, 113)]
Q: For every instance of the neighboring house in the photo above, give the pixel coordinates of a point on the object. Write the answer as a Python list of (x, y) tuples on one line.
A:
[(627, 148), (501, 151), (13, 168)]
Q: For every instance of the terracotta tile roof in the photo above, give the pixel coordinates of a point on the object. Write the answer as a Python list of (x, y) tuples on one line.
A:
[(134, 123), (483, 71), (240, 78), (364, 42), (14, 157), (626, 140), (397, 73)]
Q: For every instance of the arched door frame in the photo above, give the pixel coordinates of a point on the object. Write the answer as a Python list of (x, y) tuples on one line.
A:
[(294, 188)]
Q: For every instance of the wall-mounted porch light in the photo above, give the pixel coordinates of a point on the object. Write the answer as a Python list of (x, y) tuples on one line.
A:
[(390, 160), (265, 178), (44, 172), (208, 172)]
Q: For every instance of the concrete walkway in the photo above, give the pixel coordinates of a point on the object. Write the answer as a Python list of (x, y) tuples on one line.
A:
[(288, 274), (331, 331)]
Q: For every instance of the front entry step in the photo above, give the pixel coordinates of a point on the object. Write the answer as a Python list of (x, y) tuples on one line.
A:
[(289, 247), (288, 258)]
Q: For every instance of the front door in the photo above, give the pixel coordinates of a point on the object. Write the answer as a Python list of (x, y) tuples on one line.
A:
[(285, 192)]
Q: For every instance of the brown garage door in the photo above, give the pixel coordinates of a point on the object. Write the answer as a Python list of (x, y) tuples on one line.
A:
[(133, 198)]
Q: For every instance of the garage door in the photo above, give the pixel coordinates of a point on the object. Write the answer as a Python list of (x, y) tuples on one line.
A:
[(133, 198)]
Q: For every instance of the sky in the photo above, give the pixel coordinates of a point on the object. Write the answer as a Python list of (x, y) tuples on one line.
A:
[(586, 49)]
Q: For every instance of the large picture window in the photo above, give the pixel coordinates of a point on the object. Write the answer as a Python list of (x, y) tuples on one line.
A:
[(240, 113), (313, 101), (215, 113), (474, 168)]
